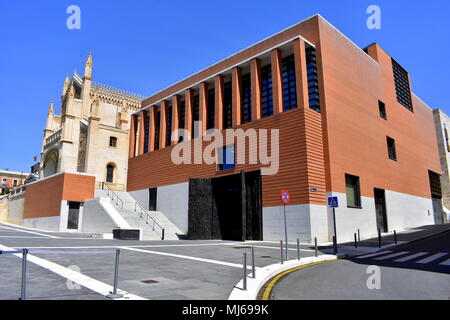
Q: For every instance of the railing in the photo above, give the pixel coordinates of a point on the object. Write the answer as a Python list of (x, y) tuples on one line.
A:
[(114, 197), (139, 209), (143, 214), (17, 191), (4, 198), (53, 139)]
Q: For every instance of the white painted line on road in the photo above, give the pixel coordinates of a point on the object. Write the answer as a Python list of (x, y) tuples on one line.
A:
[(445, 263), (411, 257), (81, 279), (27, 228), (223, 263), (373, 255), (32, 232), (392, 255), (22, 237), (432, 258)]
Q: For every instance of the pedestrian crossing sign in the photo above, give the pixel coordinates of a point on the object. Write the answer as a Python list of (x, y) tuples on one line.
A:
[(333, 202)]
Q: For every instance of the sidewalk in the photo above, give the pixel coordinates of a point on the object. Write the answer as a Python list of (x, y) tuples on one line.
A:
[(370, 245)]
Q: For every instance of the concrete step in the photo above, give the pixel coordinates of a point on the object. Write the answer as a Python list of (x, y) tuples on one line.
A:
[(126, 209)]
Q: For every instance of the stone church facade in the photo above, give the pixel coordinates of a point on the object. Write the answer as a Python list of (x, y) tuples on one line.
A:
[(91, 133)]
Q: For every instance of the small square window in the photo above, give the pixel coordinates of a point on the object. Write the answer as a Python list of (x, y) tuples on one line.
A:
[(227, 158), (382, 110), (113, 142), (391, 149), (352, 191)]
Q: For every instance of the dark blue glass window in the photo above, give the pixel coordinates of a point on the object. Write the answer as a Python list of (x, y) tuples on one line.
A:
[(210, 107), (246, 99), (227, 110), (169, 125), (313, 80), (146, 127), (266, 91), (288, 79)]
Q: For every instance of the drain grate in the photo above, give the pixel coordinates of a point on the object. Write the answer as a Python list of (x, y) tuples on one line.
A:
[(149, 281)]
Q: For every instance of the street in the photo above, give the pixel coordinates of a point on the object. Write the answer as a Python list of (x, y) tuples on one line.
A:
[(162, 270), (419, 270)]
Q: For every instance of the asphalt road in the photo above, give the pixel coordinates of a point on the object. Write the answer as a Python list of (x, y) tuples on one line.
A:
[(161, 270), (420, 270)]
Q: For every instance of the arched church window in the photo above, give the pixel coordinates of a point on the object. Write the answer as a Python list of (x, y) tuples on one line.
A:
[(110, 173)]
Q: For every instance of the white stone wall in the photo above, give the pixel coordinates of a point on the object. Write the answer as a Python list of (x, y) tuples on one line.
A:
[(173, 201), (47, 223)]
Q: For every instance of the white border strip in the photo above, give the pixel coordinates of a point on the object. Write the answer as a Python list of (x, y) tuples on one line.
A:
[(32, 232), (223, 263)]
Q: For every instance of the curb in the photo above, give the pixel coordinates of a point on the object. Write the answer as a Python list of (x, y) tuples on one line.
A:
[(264, 274)]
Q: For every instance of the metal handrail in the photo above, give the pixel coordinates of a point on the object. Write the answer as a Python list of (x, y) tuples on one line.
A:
[(112, 194), (137, 207), (147, 215)]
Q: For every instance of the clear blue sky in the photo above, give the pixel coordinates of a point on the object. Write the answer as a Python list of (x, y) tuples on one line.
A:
[(144, 46)]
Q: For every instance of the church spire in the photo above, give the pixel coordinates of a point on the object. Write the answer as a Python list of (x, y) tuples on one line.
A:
[(66, 84), (88, 67), (51, 108)]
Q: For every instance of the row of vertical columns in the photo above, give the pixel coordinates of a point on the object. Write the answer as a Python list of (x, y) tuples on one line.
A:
[(138, 122)]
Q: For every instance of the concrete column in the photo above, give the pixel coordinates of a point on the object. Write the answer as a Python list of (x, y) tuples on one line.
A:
[(277, 85), (203, 112), (255, 74), (162, 124), (141, 132), (152, 129), (189, 112), (301, 78), (175, 115), (133, 127), (236, 76), (218, 105)]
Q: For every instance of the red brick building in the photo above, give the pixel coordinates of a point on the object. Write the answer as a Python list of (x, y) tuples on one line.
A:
[(349, 126)]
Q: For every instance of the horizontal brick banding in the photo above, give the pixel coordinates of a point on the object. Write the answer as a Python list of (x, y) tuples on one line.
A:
[(156, 168)]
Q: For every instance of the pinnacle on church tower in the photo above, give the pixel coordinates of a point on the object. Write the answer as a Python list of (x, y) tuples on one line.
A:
[(66, 84), (51, 108), (88, 67)]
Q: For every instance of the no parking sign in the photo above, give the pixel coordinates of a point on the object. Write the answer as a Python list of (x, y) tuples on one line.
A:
[(285, 197)]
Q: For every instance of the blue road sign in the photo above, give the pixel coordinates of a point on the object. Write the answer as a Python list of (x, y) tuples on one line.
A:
[(333, 202)]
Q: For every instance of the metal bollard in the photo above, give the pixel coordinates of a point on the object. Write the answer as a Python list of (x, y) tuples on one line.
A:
[(359, 236), (23, 295), (298, 249), (379, 238), (395, 237), (315, 245), (244, 268), (114, 294), (281, 251), (253, 263), (334, 245), (356, 242)]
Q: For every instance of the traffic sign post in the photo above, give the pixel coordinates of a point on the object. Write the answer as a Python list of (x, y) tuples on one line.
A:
[(285, 199), (333, 203)]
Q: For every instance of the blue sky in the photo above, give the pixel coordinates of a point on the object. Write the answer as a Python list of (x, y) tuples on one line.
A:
[(144, 46)]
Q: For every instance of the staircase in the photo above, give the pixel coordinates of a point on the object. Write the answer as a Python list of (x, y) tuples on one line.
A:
[(154, 225)]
